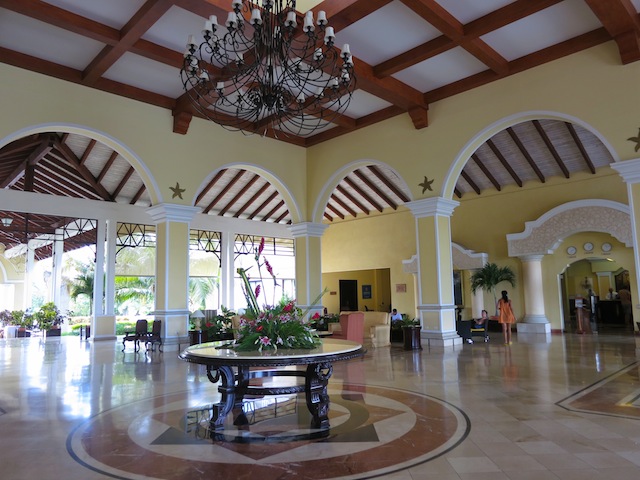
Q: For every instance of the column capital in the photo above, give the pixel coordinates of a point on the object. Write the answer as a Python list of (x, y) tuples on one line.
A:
[(431, 207), (629, 170), (308, 229), (171, 212), (531, 258)]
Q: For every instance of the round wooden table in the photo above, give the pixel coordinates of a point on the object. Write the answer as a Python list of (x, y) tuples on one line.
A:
[(234, 371)]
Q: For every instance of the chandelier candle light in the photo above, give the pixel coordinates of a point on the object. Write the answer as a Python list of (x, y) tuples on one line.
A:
[(273, 72)]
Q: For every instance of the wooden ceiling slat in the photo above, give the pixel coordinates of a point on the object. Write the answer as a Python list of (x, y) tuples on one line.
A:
[(107, 166), (620, 19), (344, 206), (224, 191), (374, 188), (504, 162), (252, 200), (273, 210), (471, 183), (579, 144), (123, 182), (282, 217), (87, 151), (551, 148), (388, 183), (45, 146), (77, 163), (525, 153), (263, 205), (352, 199), (327, 216), (363, 194), (486, 171), (19, 146), (138, 195), (210, 185), (239, 195), (338, 213)]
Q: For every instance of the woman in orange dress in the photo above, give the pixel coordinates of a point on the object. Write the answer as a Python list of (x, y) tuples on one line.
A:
[(506, 317)]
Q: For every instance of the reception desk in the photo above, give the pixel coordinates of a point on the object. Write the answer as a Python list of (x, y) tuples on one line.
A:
[(610, 312)]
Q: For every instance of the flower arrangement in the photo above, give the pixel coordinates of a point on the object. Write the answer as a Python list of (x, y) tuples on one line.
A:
[(220, 326), (271, 327)]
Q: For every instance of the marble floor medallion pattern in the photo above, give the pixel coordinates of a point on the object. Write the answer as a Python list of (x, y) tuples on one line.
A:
[(374, 431)]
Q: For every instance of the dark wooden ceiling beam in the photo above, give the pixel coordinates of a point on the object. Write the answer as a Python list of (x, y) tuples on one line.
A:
[(327, 216), (345, 193), (77, 163), (551, 148), (45, 146), (210, 185), (123, 182), (239, 195), (363, 194), (282, 217), (580, 145), (505, 163), (414, 56), (375, 189), (388, 183), (471, 183), (263, 205), (620, 19), (138, 195), (252, 200), (457, 192), (224, 191), (436, 15), (525, 153), (344, 206), (271, 212), (486, 171), (87, 151), (337, 212), (20, 146), (503, 16), (137, 26), (107, 166)]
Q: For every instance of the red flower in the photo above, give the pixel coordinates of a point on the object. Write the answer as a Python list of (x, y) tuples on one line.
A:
[(288, 308), (269, 268), (259, 328), (316, 316), (209, 324)]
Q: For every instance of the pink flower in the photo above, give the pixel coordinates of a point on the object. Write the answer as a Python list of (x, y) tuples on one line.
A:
[(257, 291), (269, 268), (288, 308), (316, 316), (264, 341), (261, 247)]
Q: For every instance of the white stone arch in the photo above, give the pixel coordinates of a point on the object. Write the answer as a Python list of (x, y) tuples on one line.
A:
[(475, 142), (464, 259), (272, 178), (544, 235), (123, 150), (336, 178)]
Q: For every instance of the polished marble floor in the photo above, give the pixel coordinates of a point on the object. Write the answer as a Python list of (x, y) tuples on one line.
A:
[(563, 407)]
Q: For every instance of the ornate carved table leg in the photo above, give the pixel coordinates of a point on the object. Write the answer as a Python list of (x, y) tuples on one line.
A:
[(316, 381), (228, 391)]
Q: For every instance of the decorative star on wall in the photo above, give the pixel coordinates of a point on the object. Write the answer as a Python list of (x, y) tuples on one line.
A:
[(177, 191), (426, 185), (636, 140)]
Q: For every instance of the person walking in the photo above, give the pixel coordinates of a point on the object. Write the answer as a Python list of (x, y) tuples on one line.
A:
[(506, 316)]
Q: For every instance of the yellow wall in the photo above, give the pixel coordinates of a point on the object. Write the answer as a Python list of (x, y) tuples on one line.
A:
[(377, 279)]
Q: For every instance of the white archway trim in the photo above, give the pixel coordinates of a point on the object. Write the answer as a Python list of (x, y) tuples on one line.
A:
[(464, 259), (134, 160), (336, 178), (472, 145), (272, 178), (545, 234)]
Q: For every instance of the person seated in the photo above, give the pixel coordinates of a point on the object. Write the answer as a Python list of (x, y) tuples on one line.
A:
[(482, 321), (612, 295), (395, 315)]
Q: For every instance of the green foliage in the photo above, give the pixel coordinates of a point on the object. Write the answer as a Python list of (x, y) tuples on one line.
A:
[(489, 276), (405, 322), (219, 325), (48, 316)]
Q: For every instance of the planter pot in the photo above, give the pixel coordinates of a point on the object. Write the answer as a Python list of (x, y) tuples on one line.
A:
[(411, 337), (195, 337), (23, 332), (396, 335), (54, 332)]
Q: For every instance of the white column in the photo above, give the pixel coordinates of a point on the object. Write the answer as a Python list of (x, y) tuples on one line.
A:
[(56, 273), (477, 303), (308, 243), (535, 319), (98, 276), (110, 264), (227, 241), (28, 277)]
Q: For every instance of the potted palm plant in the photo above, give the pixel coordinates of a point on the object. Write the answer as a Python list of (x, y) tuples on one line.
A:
[(48, 318), (489, 276)]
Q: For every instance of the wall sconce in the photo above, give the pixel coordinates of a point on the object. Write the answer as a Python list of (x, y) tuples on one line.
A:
[(6, 221)]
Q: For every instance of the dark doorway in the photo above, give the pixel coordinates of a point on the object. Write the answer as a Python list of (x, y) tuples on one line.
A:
[(348, 295)]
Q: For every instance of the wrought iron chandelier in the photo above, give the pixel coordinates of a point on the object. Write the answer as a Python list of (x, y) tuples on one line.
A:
[(268, 73)]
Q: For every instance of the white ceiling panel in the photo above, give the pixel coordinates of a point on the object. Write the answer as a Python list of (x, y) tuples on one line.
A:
[(441, 70), (363, 103), (171, 30), (146, 74), (41, 40), (543, 29), (466, 11), (393, 29), (114, 13)]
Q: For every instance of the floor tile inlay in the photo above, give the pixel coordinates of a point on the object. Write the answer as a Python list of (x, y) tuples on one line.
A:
[(374, 430)]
